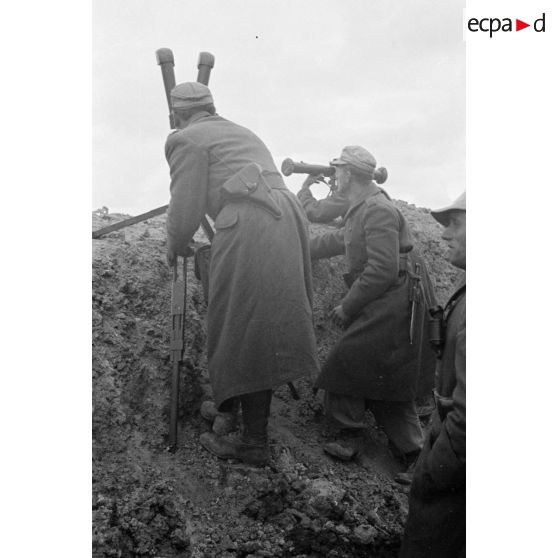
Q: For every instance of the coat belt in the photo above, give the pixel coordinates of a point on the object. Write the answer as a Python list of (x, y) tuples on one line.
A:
[(351, 276)]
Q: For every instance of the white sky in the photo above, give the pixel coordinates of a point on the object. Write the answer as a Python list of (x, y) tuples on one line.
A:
[(309, 77)]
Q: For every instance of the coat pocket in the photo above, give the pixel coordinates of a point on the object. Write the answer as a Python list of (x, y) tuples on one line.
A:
[(227, 218)]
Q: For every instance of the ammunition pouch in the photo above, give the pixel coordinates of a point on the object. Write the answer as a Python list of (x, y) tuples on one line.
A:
[(202, 259), (436, 329), (444, 405), (249, 184)]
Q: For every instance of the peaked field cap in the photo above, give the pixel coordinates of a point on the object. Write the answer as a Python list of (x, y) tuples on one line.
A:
[(356, 157), (442, 215), (190, 94)]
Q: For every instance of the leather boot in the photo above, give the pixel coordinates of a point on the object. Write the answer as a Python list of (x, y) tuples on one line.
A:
[(222, 422), (235, 446), (251, 446), (255, 414), (410, 461), (346, 445)]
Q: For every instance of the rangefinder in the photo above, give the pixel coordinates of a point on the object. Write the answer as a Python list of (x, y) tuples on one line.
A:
[(288, 167)]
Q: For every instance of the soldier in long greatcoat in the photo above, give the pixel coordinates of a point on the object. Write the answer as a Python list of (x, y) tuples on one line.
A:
[(381, 354), (259, 331), (436, 524)]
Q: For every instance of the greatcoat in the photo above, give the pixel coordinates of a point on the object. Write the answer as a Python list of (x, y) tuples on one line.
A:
[(436, 523), (374, 358), (260, 331)]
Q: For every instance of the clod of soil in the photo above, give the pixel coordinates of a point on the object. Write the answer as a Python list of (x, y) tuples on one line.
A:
[(149, 502)]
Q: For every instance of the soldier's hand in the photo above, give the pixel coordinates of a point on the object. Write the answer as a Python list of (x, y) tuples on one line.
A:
[(171, 254), (338, 317), (171, 257), (312, 179)]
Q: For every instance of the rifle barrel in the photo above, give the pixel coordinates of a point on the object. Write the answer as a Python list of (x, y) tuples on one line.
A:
[(131, 221), (178, 317), (207, 228)]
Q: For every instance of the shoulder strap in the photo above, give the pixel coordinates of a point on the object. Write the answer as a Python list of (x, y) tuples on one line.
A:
[(452, 302)]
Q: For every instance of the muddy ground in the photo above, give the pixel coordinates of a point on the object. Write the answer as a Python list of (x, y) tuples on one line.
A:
[(149, 502)]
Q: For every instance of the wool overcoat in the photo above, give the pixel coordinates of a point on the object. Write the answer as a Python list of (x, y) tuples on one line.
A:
[(374, 357), (436, 523), (260, 330)]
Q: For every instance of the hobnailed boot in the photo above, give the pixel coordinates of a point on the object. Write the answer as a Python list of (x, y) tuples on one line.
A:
[(347, 444), (251, 446), (406, 477), (235, 446), (222, 423)]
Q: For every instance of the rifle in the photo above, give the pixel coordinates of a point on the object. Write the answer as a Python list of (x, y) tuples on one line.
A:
[(415, 298), (131, 221), (178, 317)]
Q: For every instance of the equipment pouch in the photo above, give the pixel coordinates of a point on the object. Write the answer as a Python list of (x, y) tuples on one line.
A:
[(244, 182), (202, 259), (248, 183), (436, 333)]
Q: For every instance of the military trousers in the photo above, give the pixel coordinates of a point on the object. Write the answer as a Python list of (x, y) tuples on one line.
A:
[(398, 419)]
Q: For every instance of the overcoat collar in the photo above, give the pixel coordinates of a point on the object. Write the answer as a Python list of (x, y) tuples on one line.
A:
[(199, 116)]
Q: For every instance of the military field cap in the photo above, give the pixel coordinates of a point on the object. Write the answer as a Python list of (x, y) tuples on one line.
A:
[(442, 215), (357, 157), (189, 95)]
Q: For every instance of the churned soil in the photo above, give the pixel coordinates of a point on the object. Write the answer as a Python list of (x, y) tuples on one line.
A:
[(148, 502)]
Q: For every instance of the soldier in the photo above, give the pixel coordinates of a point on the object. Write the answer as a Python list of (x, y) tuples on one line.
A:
[(436, 524), (260, 333), (374, 364), (321, 211)]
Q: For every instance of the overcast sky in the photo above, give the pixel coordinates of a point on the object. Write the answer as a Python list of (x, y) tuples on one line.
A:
[(307, 76)]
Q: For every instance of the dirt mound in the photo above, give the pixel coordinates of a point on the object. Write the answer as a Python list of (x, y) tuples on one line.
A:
[(148, 502)]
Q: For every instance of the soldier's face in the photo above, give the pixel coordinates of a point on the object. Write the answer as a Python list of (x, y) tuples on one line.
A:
[(454, 234), (342, 178)]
